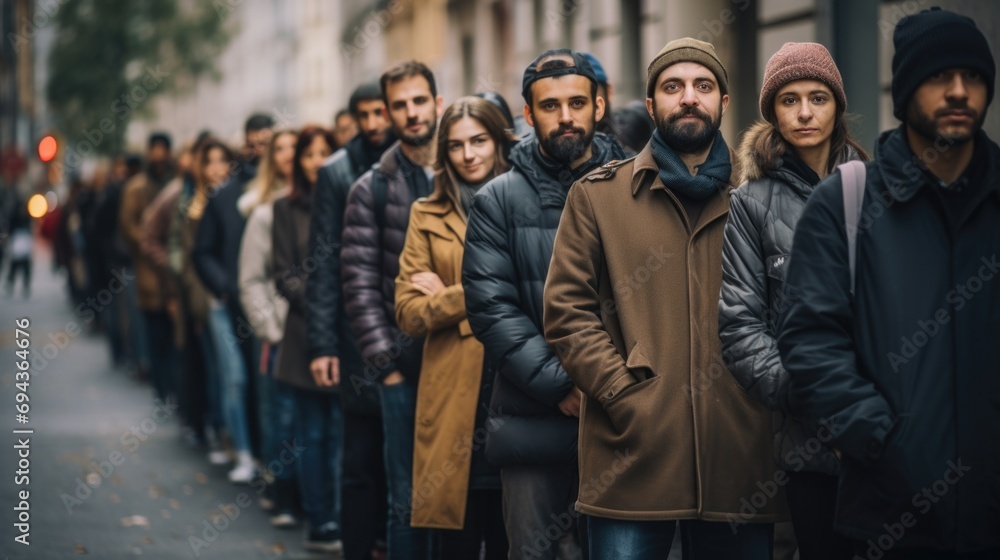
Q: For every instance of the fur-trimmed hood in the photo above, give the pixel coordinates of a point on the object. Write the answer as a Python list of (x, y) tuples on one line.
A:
[(753, 163)]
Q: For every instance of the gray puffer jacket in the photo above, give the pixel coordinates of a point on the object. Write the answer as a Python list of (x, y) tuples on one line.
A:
[(756, 252)]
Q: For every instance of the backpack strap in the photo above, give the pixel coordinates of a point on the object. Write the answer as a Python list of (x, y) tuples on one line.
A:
[(852, 175)]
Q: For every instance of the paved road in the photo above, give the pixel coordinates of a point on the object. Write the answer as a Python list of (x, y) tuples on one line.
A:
[(109, 475)]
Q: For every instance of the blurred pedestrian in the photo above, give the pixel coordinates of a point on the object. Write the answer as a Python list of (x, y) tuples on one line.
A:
[(333, 349), (215, 256), (22, 244), (267, 310), (507, 252), (123, 327), (375, 222), (643, 346), (634, 127), (138, 194), (802, 138), (890, 337), (317, 409), (430, 301), (345, 127)]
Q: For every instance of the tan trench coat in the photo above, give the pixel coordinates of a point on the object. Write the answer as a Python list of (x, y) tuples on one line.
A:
[(452, 365), (631, 307)]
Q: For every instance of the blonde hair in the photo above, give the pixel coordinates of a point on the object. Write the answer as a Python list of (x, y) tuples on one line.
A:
[(267, 184)]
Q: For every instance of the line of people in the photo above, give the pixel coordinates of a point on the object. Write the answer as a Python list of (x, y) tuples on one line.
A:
[(445, 340)]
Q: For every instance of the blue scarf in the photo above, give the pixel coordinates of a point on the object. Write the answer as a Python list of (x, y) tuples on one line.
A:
[(712, 177)]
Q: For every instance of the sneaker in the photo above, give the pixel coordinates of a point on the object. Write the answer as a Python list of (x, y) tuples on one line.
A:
[(284, 520), (245, 469), (218, 457), (325, 539)]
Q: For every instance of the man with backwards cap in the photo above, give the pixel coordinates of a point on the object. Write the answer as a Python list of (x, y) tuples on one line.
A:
[(906, 364), (631, 306), (534, 408)]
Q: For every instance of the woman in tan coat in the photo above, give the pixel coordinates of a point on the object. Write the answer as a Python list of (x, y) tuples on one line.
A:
[(454, 487)]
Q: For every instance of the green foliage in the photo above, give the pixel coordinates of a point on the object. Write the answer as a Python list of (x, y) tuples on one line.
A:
[(110, 58)]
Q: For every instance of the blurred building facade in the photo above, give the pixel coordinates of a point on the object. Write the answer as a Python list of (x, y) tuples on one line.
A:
[(300, 60)]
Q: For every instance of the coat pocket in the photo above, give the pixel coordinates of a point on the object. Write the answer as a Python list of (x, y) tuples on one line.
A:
[(628, 404)]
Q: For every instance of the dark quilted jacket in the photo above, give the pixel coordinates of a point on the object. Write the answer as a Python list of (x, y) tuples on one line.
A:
[(508, 246), (370, 261), (756, 252)]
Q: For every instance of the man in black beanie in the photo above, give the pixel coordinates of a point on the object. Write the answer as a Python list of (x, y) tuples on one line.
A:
[(902, 361)]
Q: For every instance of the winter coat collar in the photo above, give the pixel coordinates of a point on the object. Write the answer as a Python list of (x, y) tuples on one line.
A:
[(753, 167), (552, 190), (904, 175)]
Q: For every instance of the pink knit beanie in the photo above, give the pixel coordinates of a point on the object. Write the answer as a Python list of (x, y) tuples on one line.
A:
[(800, 61)]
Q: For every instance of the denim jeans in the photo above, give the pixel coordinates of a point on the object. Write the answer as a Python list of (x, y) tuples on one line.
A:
[(539, 513), (138, 345), (214, 416), (279, 413), (616, 539), (320, 436), (163, 353), (232, 371), (399, 407)]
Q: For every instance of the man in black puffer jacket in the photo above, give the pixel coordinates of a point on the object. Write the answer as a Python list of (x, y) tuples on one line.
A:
[(512, 226), (333, 350), (375, 222)]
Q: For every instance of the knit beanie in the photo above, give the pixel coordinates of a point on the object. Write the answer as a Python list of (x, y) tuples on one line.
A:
[(932, 41), (800, 61), (687, 50)]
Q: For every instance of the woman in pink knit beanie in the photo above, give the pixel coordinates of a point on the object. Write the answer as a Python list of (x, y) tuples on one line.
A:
[(802, 137)]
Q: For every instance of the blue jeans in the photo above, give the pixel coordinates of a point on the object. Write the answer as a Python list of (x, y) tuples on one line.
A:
[(163, 353), (138, 345), (214, 416), (232, 376), (703, 540), (320, 436), (399, 408), (279, 413)]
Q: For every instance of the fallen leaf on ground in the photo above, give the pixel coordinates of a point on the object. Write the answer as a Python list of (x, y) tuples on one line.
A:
[(135, 521), (174, 503), (201, 478), (80, 549), (115, 498)]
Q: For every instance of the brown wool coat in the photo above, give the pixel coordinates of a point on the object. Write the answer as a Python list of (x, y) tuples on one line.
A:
[(631, 307), (138, 195), (452, 364)]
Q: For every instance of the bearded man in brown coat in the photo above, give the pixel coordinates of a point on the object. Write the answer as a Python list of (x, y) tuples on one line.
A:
[(631, 307)]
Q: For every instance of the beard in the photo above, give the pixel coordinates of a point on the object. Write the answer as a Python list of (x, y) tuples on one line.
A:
[(567, 149), (688, 137), (925, 125), (419, 140)]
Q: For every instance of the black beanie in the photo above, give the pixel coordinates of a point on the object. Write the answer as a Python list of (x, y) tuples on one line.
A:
[(932, 41)]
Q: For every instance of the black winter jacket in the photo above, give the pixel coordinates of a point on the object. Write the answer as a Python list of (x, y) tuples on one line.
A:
[(370, 260), (907, 371), (508, 246), (757, 249), (329, 330), (216, 250)]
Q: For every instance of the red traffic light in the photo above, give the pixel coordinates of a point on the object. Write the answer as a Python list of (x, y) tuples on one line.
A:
[(47, 149)]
